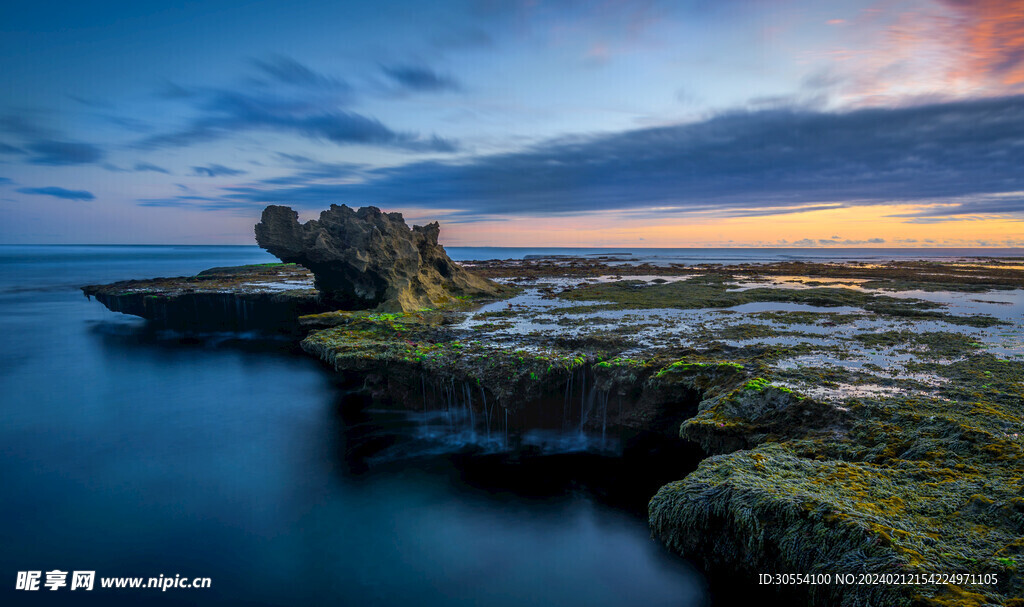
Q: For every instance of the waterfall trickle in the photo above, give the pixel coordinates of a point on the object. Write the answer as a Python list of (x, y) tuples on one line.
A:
[(453, 413), (565, 402), (604, 416), (583, 395)]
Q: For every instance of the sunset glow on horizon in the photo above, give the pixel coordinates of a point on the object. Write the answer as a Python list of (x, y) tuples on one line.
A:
[(528, 123)]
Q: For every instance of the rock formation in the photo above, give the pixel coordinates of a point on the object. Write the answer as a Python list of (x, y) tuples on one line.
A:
[(265, 297), (369, 259)]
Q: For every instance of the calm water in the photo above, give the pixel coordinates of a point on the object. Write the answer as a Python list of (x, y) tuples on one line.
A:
[(130, 452)]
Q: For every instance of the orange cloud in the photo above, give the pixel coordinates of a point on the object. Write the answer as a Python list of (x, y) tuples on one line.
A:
[(993, 34), (931, 48)]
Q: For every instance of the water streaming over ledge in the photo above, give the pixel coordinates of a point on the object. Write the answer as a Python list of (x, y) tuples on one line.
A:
[(458, 413)]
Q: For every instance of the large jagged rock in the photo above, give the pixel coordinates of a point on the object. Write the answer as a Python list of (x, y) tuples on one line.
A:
[(369, 259)]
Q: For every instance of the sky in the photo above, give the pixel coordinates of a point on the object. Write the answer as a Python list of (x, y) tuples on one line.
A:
[(686, 123)]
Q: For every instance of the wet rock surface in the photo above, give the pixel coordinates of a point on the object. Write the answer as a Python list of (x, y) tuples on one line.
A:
[(269, 297), (366, 258)]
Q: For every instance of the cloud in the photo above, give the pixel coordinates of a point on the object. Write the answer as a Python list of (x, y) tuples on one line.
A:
[(313, 171), (993, 34), (297, 158), (58, 193), (145, 166), (462, 39), (837, 240), (734, 164), (92, 103), (59, 153), (216, 170), (753, 212), (285, 70), (171, 90), (22, 126), (939, 48), (312, 106), (420, 78), (226, 113), (44, 145), (201, 203), (1002, 203), (129, 124)]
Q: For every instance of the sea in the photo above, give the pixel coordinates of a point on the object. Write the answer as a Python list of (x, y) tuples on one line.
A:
[(134, 452)]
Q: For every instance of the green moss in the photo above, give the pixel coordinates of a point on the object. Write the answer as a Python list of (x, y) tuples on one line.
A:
[(685, 366), (757, 384)]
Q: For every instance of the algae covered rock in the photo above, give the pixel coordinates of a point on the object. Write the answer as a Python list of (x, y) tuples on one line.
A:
[(911, 489), (894, 530), (758, 411), (366, 258), (767, 512)]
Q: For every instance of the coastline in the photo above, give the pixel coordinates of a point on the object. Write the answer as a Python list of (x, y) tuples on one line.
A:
[(793, 483)]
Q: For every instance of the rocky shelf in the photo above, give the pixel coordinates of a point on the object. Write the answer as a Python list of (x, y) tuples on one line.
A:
[(852, 419), (269, 297)]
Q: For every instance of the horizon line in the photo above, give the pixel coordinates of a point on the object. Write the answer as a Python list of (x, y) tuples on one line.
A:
[(805, 248)]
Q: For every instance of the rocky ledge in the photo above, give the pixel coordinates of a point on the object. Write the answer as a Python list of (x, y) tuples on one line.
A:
[(267, 297)]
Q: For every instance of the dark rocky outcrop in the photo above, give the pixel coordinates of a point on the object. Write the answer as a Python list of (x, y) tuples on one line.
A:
[(369, 259), (268, 297)]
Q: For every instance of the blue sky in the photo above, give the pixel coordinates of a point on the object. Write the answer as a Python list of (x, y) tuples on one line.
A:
[(764, 123)]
